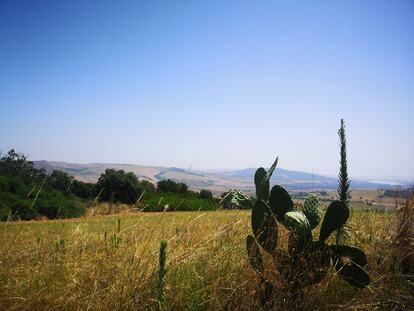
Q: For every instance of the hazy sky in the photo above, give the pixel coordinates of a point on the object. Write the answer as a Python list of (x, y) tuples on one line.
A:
[(210, 84)]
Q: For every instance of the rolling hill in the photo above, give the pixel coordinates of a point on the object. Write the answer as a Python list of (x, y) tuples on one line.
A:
[(217, 181)]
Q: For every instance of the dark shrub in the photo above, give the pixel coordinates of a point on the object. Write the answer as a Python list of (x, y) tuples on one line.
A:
[(54, 204), (24, 210), (5, 211)]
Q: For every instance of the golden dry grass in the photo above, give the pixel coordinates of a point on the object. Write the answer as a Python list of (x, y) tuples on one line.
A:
[(86, 264)]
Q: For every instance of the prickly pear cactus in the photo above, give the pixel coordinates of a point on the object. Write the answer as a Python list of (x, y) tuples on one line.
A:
[(312, 210), (306, 261), (236, 199)]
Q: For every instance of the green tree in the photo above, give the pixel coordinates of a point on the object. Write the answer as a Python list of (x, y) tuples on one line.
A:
[(147, 185), (83, 190), (118, 186), (205, 194), (182, 188), (168, 185), (60, 181), (16, 165)]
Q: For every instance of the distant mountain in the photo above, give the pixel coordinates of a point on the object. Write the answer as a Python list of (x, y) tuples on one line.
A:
[(279, 174), (216, 181), (297, 180), (293, 180)]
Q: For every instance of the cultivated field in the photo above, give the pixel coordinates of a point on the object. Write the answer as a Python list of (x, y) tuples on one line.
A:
[(111, 263)]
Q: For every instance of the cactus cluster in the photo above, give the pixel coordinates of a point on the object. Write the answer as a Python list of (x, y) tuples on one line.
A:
[(306, 261), (236, 199)]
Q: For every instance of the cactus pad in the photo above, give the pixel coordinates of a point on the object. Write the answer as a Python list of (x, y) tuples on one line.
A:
[(312, 210), (264, 226), (353, 273), (355, 254), (262, 181), (280, 202), (335, 217), (297, 222), (262, 187)]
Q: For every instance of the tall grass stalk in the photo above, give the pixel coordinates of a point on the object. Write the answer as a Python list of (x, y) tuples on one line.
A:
[(161, 299)]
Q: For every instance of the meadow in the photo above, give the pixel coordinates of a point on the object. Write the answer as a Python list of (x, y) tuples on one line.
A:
[(111, 263)]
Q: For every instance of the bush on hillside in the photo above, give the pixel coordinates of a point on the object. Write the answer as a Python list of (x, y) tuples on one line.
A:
[(54, 204)]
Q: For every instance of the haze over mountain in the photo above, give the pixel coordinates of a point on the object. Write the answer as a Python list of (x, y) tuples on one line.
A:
[(216, 181)]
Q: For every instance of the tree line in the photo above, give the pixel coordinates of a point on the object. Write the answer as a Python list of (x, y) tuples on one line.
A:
[(27, 192)]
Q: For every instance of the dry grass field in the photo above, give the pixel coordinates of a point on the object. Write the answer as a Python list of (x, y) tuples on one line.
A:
[(111, 263)]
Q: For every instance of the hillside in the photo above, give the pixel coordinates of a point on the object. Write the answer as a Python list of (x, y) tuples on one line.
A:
[(217, 181)]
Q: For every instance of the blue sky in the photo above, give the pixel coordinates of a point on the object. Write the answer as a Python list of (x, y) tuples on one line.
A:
[(210, 84)]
